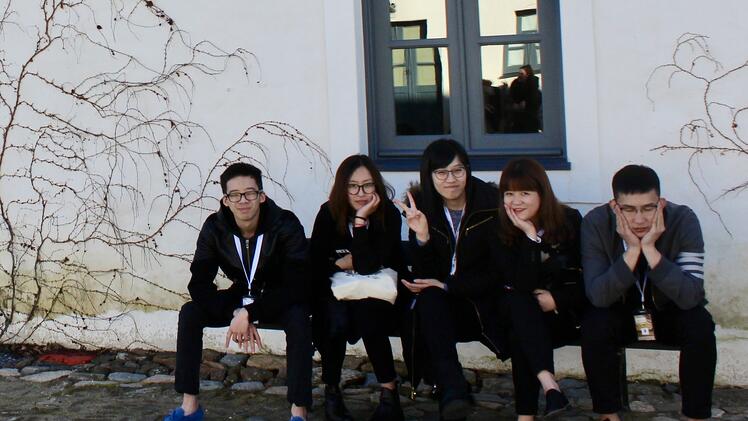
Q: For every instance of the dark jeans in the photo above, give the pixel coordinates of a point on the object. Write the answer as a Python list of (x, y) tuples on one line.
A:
[(606, 329), (445, 320), (371, 320), (295, 320), (531, 348)]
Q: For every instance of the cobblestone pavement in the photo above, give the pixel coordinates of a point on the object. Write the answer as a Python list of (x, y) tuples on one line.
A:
[(137, 385)]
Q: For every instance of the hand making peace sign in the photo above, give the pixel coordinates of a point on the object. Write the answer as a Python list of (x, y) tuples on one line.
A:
[(415, 219)]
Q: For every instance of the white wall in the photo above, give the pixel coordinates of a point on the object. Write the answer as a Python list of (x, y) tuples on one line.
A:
[(311, 55), (609, 50)]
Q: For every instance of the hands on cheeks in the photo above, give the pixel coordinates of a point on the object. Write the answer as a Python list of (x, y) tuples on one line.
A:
[(622, 227), (657, 228), (243, 332), (649, 250), (419, 285), (415, 219), (525, 225), (369, 208)]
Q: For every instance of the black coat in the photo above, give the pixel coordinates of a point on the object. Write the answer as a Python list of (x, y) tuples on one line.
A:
[(372, 248), (282, 276), (528, 266), (477, 277)]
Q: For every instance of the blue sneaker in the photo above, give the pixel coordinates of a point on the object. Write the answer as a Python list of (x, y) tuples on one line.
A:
[(296, 418), (178, 415)]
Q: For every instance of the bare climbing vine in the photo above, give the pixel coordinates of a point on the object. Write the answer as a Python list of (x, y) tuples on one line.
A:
[(717, 132), (93, 161)]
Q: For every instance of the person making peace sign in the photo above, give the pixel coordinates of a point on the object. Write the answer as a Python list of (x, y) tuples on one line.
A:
[(452, 218)]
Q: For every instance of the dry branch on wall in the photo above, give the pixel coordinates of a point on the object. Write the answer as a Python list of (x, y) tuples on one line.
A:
[(711, 135), (82, 143)]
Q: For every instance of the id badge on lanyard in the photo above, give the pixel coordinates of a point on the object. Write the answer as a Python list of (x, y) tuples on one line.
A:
[(643, 317), (456, 233), (249, 299)]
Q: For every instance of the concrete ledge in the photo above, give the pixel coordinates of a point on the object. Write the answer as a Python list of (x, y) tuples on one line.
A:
[(158, 330)]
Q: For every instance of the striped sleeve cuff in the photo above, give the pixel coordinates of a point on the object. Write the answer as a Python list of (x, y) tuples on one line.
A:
[(691, 263)]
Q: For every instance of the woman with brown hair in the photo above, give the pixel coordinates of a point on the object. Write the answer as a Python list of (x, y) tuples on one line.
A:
[(356, 230), (543, 280)]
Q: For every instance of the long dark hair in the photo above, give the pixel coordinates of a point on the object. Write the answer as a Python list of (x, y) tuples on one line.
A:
[(439, 154), (524, 174), (340, 207)]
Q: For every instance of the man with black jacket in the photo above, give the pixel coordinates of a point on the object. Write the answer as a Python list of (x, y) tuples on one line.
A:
[(643, 261), (262, 249)]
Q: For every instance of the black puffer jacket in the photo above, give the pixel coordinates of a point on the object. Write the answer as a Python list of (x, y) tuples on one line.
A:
[(528, 266), (282, 275), (477, 277), (372, 248)]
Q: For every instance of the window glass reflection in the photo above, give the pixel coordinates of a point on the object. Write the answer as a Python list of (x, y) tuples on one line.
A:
[(512, 88), (418, 19), (421, 90), (507, 17)]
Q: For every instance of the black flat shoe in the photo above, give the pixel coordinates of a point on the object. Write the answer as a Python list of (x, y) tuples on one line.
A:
[(456, 409), (389, 408), (335, 409), (555, 402), (455, 404)]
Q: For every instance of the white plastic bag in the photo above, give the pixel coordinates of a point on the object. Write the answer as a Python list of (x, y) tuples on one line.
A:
[(354, 286)]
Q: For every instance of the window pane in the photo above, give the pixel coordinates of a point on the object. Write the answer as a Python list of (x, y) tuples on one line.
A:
[(426, 76), (399, 77), (398, 57), (507, 17), (425, 55), (512, 93), (421, 91), (418, 19)]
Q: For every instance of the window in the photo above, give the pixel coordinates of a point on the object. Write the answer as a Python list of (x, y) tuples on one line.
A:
[(484, 72)]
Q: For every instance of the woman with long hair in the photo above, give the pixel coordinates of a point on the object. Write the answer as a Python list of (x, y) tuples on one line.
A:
[(452, 217), (543, 279), (357, 229)]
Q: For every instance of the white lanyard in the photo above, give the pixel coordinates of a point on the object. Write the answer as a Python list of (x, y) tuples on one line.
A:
[(457, 236), (642, 287), (255, 259)]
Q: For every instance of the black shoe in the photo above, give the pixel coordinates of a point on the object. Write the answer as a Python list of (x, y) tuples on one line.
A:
[(455, 404), (456, 409), (555, 402), (335, 409), (389, 406)]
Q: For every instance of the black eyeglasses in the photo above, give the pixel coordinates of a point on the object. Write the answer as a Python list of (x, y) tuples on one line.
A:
[(236, 197), (443, 174), (368, 188)]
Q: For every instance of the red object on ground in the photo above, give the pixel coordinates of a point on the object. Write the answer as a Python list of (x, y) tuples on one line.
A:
[(70, 358)]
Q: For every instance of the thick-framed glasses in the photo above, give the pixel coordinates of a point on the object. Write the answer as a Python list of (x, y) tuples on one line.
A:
[(236, 197), (443, 174), (647, 210), (368, 188)]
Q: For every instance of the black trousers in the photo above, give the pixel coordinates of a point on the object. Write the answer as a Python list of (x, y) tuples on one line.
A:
[(606, 329), (371, 320), (445, 320), (415, 354), (295, 320), (531, 348)]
